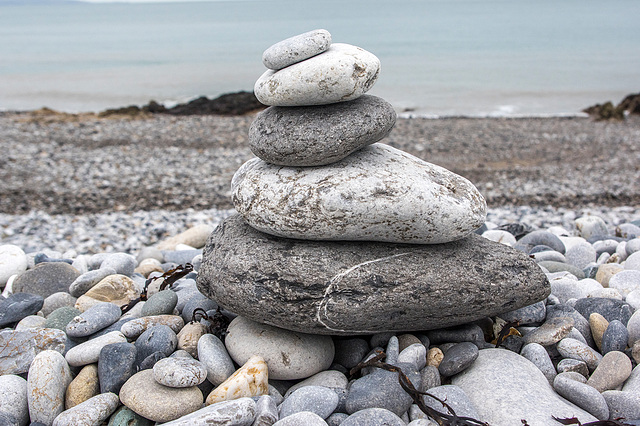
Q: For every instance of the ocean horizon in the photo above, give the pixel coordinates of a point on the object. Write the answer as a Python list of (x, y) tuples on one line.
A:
[(439, 57)]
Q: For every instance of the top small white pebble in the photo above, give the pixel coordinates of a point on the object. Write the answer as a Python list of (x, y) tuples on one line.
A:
[(296, 49)]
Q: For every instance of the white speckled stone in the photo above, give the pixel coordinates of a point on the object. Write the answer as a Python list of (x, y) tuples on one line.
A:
[(48, 378), (179, 372), (342, 73), (574, 349), (240, 412), (91, 412), (252, 379), (625, 281), (590, 226), (296, 49), (13, 398), (376, 194), (134, 328), (500, 236), (12, 261), (89, 351), (290, 355)]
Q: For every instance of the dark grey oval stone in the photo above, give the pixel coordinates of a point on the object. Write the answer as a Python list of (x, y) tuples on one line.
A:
[(161, 303), (18, 306), (159, 338), (349, 352), (615, 337), (94, 319), (458, 358), (319, 135), (611, 309), (46, 279), (540, 238), (116, 363)]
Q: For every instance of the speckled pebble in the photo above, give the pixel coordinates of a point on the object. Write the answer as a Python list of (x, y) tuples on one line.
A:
[(531, 314), (349, 352), (84, 386), (615, 337), (57, 300), (161, 303), (622, 404), (539, 356), (179, 372), (613, 370), (625, 281), (18, 306), (97, 317), (48, 378), (373, 416), (239, 412), (306, 418), (91, 412), (124, 416), (571, 348), (328, 378), (13, 398), (19, 348), (88, 280), (316, 399), (552, 331), (116, 364), (122, 263), (189, 336), (583, 395), (569, 365), (134, 328)]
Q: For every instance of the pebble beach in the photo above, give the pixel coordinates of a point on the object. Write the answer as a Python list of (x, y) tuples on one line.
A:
[(141, 287)]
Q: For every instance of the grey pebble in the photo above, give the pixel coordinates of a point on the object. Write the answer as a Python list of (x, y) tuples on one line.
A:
[(179, 372), (458, 358), (93, 411), (122, 263), (569, 365), (13, 399), (373, 416), (581, 394), (392, 351), (350, 351), (316, 399), (548, 256), (197, 302), (552, 266), (336, 419), (46, 279), (214, 356), (531, 314), (429, 378), (539, 356), (632, 246), (57, 300), (328, 378), (89, 352), (415, 354), (97, 317), (571, 348), (552, 331), (615, 338), (124, 416), (296, 49), (462, 333), (18, 306), (180, 257), (19, 348), (579, 322), (116, 363), (266, 411), (536, 238), (161, 303), (237, 412), (611, 309), (306, 418), (88, 280), (455, 398), (581, 255), (150, 361), (622, 404)]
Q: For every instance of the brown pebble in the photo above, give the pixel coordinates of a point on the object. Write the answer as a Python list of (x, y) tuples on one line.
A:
[(406, 340), (598, 325), (635, 351), (551, 332), (188, 337), (434, 357), (606, 271), (612, 371), (85, 386)]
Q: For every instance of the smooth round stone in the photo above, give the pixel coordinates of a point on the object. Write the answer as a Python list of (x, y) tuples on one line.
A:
[(134, 328), (632, 246), (156, 402), (252, 379), (539, 356), (239, 412), (197, 302), (48, 378), (213, 354), (13, 398), (95, 318), (296, 49), (179, 372), (583, 395), (531, 314), (151, 360), (536, 238), (147, 266), (83, 387), (415, 354), (407, 339), (290, 355), (316, 399), (124, 416), (598, 325), (548, 256), (349, 352), (328, 378), (341, 73), (116, 364), (434, 357), (613, 370), (12, 261), (89, 351), (57, 300), (17, 306), (565, 289), (159, 338), (633, 262), (633, 299), (633, 327), (88, 280), (552, 266), (611, 309), (122, 263), (615, 337), (319, 135), (430, 378), (627, 230), (306, 418), (93, 411), (552, 331), (569, 365), (574, 349), (622, 404), (46, 279), (181, 256), (189, 336), (625, 281), (606, 271), (500, 236), (117, 289), (506, 388), (373, 416), (348, 201), (458, 358), (610, 293), (161, 303), (581, 255), (605, 246), (591, 226)]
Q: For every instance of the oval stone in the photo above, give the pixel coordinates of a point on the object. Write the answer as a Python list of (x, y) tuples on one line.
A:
[(341, 73), (48, 378), (319, 135), (296, 49), (376, 194), (179, 372)]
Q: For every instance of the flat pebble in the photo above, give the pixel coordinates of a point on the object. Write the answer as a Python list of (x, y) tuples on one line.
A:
[(500, 236), (13, 261), (296, 49), (626, 281), (86, 281), (615, 337), (633, 327), (540, 237), (458, 358), (48, 378), (572, 348), (580, 322), (553, 266), (156, 402), (552, 331), (117, 289), (19, 348), (429, 378), (179, 372), (613, 370), (611, 309), (122, 263), (13, 398), (455, 398), (591, 226), (161, 303), (213, 354), (581, 255), (328, 378), (531, 314), (415, 354), (91, 412), (97, 317), (538, 355), (583, 395), (239, 412), (622, 404), (89, 351), (18, 306), (569, 365), (116, 364), (316, 399), (46, 279), (306, 418), (134, 328), (633, 261), (373, 416), (83, 387)]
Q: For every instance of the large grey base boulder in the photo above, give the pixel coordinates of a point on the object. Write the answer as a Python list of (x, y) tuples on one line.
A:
[(346, 288)]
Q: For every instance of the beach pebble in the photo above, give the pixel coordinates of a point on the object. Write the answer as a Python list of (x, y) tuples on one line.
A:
[(341, 73), (252, 379), (97, 317), (455, 397), (213, 354), (179, 372), (161, 303), (316, 399), (189, 336), (195, 236), (19, 348), (124, 416), (625, 281), (598, 325), (134, 328), (611, 309), (181, 255), (591, 226), (328, 378), (199, 301), (159, 338), (296, 49), (122, 263), (461, 333), (622, 404), (633, 299), (539, 356), (348, 202), (540, 237), (59, 318), (580, 323), (83, 387), (458, 358), (500, 236), (633, 327), (319, 135), (306, 418), (632, 262), (46, 279), (290, 355), (615, 337), (266, 411), (116, 364), (13, 398), (581, 394), (147, 266), (91, 412), (552, 331), (87, 280), (373, 416), (552, 267), (429, 378), (581, 255), (415, 354), (606, 271), (349, 352), (613, 370), (48, 378), (13, 261), (501, 378), (240, 412), (117, 289), (156, 402), (89, 351), (17, 306), (632, 246), (548, 256), (574, 349), (57, 300), (568, 365)]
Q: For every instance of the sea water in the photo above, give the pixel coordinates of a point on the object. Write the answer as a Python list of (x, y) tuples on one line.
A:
[(440, 57)]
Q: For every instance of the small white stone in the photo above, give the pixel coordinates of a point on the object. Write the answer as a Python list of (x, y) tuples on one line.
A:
[(296, 49), (13, 398), (89, 351), (179, 372), (48, 378), (12, 261), (500, 236), (589, 226), (93, 411)]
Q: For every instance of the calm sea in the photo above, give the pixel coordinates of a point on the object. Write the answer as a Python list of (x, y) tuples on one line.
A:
[(441, 57)]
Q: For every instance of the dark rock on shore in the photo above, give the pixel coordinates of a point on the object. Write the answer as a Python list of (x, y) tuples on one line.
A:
[(607, 111), (347, 288)]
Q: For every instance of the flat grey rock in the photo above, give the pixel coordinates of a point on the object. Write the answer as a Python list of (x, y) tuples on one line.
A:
[(296, 49), (622, 404), (214, 356), (116, 363), (319, 135), (341, 73), (378, 193), (86, 281), (364, 287), (316, 399), (18, 306), (19, 348), (574, 349), (46, 279), (457, 358), (454, 397), (506, 388), (13, 398), (94, 319), (581, 394), (373, 416)]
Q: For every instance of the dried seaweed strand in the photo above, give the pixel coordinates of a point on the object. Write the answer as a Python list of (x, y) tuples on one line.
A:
[(504, 332), (575, 421)]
